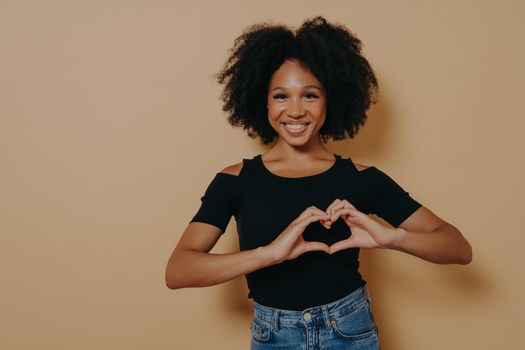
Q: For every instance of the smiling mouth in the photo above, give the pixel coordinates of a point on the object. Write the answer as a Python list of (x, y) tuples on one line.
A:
[(295, 127)]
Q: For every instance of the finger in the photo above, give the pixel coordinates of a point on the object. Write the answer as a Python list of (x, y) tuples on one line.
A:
[(330, 207), (311, 210), (353, 211), (354, 216), (308, 220), (326, 222), (341, 245), (341, 212), (314, 210), (348, 204), (314, 217), (343, 204), (336, 207), (317, 246)]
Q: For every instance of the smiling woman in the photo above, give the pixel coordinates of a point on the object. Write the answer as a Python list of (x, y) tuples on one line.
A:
[(296, 102), (302, 211)]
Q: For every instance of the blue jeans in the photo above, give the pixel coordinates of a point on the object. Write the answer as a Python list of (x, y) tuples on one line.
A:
[(347, 323)]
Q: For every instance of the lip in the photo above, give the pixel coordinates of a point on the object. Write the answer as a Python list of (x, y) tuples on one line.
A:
[(296, 132)]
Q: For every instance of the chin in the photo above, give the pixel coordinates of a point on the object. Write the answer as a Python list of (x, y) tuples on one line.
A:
[(296, 141)]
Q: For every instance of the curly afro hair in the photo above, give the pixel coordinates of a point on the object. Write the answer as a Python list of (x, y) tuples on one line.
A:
[(330, 52)]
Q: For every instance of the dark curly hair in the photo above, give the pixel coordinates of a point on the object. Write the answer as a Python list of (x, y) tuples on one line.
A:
[(329, 51)]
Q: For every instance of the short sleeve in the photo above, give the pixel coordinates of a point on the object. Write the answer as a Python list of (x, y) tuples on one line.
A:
[(387, 199), (218, 202)]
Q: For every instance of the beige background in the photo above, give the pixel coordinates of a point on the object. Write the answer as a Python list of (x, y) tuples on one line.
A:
[(111, 129)]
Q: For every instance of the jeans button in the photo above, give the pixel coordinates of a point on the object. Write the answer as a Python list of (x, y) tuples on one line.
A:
[(307, 316)]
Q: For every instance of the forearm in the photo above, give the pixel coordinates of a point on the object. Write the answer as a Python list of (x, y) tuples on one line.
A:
[(199, 269), (445, 245)]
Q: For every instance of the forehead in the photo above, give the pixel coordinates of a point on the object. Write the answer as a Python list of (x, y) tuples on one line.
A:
[(293, 74)]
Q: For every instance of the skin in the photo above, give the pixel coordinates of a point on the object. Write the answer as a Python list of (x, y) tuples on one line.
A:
[(422, 234), (295, 95)]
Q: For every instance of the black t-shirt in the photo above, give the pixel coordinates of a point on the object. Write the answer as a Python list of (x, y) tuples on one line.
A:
[(264, 204)]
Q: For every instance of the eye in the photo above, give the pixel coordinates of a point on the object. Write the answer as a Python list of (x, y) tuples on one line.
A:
[(308, 95)]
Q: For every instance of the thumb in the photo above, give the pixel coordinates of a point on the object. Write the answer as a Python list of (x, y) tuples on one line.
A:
[(309, 246), (348, 243)]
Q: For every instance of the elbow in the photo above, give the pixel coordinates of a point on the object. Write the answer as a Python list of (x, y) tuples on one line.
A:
[(171, 284), (466, 255), (172, 277), (180, 273), (463, 249), (170, 281), (468, 259)]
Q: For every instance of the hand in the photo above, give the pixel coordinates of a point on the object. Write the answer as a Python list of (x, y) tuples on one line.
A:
[(290, 243), (366, 232)]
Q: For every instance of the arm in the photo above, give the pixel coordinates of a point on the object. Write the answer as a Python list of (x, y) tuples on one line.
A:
[(422, 234), (427, 236), (190, 264)]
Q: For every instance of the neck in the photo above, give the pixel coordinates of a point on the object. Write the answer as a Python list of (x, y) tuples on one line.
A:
[(313, 149)]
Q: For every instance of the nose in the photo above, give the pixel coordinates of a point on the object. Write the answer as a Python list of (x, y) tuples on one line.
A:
[(295, 108)]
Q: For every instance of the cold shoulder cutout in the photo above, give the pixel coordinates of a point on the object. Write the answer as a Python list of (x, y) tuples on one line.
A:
[(361, 167), (234, 169)]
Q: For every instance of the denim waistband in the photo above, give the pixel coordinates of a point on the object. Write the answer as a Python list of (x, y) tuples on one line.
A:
[(316, 314)]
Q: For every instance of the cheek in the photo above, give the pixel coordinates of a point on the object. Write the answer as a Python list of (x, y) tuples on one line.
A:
[(320, 106), (274, 109), (318, 111)]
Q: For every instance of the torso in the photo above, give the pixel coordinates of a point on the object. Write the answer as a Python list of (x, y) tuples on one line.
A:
[(264, 204)]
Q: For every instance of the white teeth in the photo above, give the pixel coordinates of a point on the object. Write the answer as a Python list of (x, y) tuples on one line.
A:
[(295, 127)]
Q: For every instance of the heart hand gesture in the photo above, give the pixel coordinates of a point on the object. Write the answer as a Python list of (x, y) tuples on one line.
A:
[(366, 232)]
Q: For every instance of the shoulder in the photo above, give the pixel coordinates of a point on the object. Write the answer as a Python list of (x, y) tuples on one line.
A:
[(233, 169), (349, 163), (361, 167)]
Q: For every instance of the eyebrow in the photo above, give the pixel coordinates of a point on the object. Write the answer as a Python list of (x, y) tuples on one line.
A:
[(304, 87)]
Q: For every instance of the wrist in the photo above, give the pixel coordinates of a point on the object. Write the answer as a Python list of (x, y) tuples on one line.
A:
[(397, 235), (266, 256)]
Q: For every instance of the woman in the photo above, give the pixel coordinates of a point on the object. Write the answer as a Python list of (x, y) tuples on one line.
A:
[(301, 211)]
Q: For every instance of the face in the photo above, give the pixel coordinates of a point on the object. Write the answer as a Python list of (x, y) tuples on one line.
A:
[(296, 104)]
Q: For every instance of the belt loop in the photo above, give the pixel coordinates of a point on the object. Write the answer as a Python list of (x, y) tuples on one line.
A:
[(276, 320), (326, 317)]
